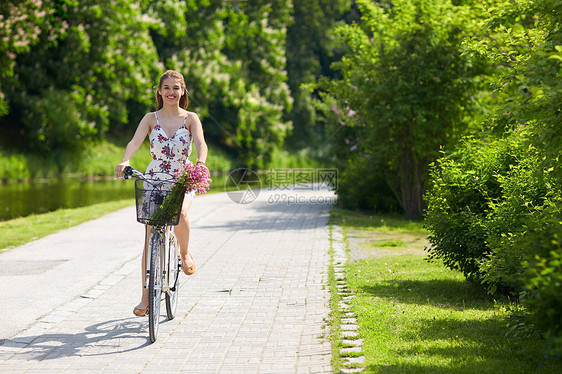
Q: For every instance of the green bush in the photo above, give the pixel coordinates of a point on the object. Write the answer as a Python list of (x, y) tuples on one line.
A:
[(519, 221), (282, 158), (526, 191), (494, 213), (17, 166), (12, 167), (464, 188), (543, 274)]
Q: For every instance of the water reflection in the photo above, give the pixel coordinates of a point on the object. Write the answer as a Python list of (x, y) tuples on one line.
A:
[(22, 199)]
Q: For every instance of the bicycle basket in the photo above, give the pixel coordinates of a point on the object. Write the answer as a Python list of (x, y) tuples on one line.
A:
[(149, 199)]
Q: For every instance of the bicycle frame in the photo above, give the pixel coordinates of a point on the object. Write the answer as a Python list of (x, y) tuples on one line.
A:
[(162, 266), (166, 233)]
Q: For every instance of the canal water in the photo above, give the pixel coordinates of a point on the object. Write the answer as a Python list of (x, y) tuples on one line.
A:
[(23, 199)]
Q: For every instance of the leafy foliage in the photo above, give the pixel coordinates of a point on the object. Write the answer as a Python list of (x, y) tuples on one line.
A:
[(310, 52), (464, 186), (517, 248), (22, 24), (405, 86), (101, 59), (234, 67), (67, 90)]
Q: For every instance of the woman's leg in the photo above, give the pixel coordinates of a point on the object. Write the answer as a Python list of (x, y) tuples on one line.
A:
[(182, 231), (144, 298)]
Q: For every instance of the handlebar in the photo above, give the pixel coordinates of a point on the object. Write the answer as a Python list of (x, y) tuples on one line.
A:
[(128, 172)]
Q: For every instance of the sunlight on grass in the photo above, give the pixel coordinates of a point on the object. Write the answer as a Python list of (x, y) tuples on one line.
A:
[(420, 317), (388, 243), (397, 223), (417, 316)]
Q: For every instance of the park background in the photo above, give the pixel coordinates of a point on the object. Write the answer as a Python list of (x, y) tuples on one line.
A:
[(446, 111)]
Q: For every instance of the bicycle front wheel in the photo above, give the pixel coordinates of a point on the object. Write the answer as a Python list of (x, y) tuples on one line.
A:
[(173, 276), (155, 283)]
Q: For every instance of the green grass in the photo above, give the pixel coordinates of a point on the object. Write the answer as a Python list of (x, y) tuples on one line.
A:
[(98, 160), (284, 159), (378, 222), (388, 243), (420, 317), (19, 231), (15, 166)]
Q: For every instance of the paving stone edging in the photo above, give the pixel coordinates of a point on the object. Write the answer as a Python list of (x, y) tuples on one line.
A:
[(351, 352)]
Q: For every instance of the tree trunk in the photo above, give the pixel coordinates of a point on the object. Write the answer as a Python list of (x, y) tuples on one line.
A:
[(411, 184)]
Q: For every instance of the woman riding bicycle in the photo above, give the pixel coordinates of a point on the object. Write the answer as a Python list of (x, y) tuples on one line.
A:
[(171, 130)]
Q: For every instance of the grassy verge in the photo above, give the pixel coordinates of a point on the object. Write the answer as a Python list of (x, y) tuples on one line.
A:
[(420, 317), (19, 231), (377, 222), (100, 159)]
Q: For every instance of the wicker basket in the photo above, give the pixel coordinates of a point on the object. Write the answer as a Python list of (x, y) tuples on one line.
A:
[(149, 196)]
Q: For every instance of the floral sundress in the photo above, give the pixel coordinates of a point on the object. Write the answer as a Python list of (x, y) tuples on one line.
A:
[(168, 151)]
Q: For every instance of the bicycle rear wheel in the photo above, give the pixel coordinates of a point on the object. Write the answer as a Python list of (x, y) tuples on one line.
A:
[(155, 283), (173, 276)]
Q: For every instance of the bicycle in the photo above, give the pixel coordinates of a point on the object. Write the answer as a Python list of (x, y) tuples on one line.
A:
[(163, 262)]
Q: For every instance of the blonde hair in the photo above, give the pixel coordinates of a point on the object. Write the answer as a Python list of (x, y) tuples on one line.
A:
[(184, 101)]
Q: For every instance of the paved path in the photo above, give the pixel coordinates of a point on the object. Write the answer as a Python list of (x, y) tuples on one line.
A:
[(258, 302)]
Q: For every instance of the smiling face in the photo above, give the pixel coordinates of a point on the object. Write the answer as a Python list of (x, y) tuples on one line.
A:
[(171, 90)]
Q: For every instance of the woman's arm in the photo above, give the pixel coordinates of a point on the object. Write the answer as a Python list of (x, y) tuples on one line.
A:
[(142, 130), (199, 138)]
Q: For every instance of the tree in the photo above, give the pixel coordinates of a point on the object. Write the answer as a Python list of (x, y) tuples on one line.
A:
[(406, 86), (234, 66), (310, 52), (67, 91), (99, 60), (22, 23), (255, 46)]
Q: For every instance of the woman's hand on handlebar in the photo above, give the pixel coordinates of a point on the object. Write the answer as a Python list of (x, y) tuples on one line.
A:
[(119, 169)]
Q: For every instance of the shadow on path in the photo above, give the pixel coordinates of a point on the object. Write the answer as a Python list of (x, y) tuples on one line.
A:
[(107, 334), (282, 217)]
